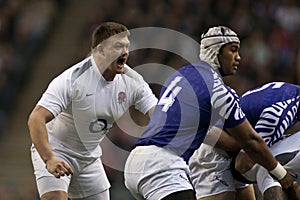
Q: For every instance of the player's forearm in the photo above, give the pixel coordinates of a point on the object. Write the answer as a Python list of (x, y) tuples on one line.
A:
[(259, 152), (253, 145)]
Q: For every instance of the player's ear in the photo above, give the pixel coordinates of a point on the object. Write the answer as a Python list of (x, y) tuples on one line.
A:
[(100, 49)]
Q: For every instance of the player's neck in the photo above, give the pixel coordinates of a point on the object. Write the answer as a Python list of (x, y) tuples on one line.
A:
[(108, 74)]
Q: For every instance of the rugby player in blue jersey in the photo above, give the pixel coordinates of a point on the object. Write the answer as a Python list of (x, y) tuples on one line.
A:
[(211, 175), (273, 111), (192, 100)]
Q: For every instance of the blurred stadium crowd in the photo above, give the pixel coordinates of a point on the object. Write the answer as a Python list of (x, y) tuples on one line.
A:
[(269, 32), (24, 25)]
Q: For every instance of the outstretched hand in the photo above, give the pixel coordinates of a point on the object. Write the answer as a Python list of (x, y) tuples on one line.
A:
[(58, 167)]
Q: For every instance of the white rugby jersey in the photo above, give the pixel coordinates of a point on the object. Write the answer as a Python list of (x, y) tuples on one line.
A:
[(85, 106)]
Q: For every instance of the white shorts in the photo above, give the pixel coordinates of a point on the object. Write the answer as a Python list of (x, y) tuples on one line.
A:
[(283, 148), (87, 180), (153, 172), (210, 172)]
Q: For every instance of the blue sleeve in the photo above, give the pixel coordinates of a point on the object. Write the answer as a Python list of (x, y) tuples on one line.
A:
[(226, 102)]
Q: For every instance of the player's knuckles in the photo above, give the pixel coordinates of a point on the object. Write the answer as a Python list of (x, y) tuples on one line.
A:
[(51, 170)]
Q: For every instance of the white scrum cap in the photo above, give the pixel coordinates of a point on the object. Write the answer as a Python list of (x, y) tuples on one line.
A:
[(212, 41)]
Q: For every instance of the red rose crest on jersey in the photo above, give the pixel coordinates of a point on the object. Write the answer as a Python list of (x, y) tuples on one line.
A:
[(121, 97)]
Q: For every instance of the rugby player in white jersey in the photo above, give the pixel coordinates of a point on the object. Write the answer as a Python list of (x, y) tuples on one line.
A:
[(192, 99), (76, 111)]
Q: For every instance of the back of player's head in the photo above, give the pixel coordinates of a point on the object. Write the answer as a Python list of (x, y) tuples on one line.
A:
[(106, 30), (211, 42)]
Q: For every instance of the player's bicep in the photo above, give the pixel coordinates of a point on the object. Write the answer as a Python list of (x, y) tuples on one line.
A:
[(40, 113)]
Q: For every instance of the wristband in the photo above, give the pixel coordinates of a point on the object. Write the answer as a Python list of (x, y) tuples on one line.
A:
[(250, 175), (279, 172)]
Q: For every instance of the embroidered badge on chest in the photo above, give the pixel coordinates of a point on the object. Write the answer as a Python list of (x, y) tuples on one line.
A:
[(121, 97)]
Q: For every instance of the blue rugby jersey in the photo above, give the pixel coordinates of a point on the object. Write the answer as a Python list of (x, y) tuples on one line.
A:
[(192, 99), (271, 109)]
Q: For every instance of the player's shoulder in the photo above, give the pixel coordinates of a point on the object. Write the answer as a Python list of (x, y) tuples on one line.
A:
[(198, 75), (78, 69), (194, 69)]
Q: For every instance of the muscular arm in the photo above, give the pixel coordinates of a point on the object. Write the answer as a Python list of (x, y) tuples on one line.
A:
[(243, 163), (38, 132), (39, 136), (257, 149), (253, 145)]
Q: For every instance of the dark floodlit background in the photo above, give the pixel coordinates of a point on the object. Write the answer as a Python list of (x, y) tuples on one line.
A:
[(41, 38)]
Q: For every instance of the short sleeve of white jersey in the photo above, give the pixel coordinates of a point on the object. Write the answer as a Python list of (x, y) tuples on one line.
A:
[(144, 97), (57, 96)]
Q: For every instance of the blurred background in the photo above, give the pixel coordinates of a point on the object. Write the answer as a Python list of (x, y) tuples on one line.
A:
[(41, 38)]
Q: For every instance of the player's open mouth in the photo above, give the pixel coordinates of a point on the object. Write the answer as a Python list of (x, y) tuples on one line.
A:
[(121, 61), (235, 66)]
